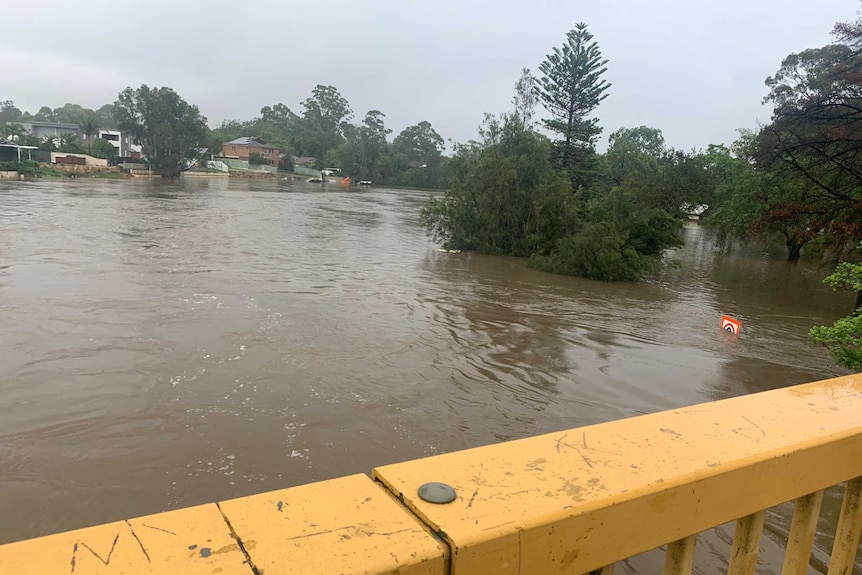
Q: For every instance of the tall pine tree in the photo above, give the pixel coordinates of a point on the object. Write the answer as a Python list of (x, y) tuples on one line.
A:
[(571, 88)]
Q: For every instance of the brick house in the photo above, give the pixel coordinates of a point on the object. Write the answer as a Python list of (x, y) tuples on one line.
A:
[(241, 148)]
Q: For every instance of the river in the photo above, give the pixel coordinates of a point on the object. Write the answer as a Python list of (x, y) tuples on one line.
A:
[(165, 345)]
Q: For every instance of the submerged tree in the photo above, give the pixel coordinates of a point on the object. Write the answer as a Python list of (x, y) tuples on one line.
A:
[(623, 238), (571, 88), (168, 128), (506, 198)]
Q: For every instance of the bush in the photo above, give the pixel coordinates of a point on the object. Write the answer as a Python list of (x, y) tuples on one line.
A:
[(101, 148), (598, 252), (506, 197), (72, 147), (256, 159), (25, 167), (844, 338)]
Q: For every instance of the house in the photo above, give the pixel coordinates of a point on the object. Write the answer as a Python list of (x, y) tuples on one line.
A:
[(304, 161), (44, 130), (242, 148), (126, 148), (695, 212), (10, 151)]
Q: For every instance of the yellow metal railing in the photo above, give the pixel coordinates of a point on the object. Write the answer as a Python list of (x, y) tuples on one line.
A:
[(576, 502)]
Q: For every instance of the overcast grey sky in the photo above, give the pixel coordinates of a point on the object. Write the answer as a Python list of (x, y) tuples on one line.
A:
[(693, 69)]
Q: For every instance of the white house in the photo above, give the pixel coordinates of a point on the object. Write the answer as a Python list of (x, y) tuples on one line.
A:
[(120, 140)]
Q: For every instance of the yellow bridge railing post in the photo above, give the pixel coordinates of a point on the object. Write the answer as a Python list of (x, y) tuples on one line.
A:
[(797, 556), (746, 544), (679, 557), (847, 533)]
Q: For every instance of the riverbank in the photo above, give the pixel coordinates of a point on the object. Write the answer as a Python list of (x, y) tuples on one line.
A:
[(32, 169), (204, 174)]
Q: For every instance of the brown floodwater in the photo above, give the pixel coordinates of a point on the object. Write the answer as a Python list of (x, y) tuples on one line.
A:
[(164, 345)]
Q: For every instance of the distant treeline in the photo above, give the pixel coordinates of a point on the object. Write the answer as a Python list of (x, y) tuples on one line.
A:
[(324, 130)]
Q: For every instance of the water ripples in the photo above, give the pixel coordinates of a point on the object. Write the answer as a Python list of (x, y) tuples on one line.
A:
[(172, 344)]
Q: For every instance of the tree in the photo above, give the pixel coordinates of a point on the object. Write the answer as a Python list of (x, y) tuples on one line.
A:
[(102, 148), (660, 177), (506, 198), (285, 162), (278, 115), (105, 116), (598, 252), (751, 199), (621, 240), (418, 155), (844, 338), (89, 126), (571, 88), (49, 144), (168, 128), (71, 114), (15, 133), (256, 159), (737, 196), (277, 124), (71, 145), (525, 98), (814, 142), (362, 154), (327, 106), (325, 118), (684, 182), (8, 112), (633, 153), (45, 114), (420, 143)]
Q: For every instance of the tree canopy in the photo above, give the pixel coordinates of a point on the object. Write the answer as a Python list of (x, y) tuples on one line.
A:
[(101, 148), (506, 197), (168, 128), (814, 140), (8, 112), (515, 192)]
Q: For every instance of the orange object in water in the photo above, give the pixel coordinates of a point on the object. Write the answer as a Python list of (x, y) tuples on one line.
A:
[(345, 181), (730, 324)]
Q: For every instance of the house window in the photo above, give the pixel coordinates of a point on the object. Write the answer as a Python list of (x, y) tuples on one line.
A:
[(233, 148)]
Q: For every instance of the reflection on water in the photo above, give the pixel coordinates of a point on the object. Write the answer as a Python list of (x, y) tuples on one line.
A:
[(171, 344)]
